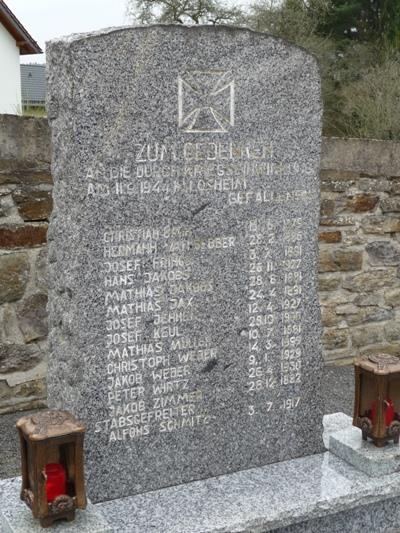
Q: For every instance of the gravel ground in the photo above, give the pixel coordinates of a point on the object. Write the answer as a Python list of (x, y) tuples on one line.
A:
[(338, 387)]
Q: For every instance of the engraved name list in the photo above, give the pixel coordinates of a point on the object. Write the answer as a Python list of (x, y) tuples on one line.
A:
[(183, 306)]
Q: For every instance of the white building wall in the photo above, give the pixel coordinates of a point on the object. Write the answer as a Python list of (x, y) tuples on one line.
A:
[(10, 77)]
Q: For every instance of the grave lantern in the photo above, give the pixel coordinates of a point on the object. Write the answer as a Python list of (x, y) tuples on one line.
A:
[(377, 398), (52, 465)]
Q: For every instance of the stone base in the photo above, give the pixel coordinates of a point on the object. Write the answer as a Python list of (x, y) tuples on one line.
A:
[(347, 444), (319, 493), (16, 517), (315, 494), (334, 423)]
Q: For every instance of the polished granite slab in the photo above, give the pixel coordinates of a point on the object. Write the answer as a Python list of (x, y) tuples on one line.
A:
[(347, 444), (307, 492), (382, 517), (15, 517), (315, 494)]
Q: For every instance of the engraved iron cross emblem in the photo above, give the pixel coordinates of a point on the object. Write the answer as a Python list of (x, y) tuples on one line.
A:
[(206, 101)]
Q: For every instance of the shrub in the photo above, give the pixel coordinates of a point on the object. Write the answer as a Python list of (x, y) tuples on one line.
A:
[(371, 105)]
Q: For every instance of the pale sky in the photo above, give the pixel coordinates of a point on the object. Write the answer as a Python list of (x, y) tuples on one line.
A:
[(46, 19)]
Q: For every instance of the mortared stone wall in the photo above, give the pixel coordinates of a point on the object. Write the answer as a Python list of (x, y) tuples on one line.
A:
[(359, 239)]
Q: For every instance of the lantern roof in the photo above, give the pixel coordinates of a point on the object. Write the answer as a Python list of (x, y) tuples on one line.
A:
[(48, 424), (379, 363)]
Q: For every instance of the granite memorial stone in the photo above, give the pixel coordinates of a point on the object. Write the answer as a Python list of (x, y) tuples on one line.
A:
[(184, 319)]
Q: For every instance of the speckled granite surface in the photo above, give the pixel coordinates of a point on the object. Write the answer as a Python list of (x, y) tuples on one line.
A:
[(382, 517), (347, 444), (337, 387), (314, 494), (333, 423), (317, 490), (194, 170), (15, 517)]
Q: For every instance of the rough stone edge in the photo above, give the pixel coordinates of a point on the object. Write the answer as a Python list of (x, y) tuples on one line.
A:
[(76, 37), (59, 291), (334, 422)]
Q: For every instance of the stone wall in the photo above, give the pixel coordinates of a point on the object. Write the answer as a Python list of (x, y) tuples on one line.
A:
[(359, 248), (25, 206)]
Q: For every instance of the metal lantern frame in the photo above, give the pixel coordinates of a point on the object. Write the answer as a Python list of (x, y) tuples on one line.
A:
[(377, 390), (52, 437)]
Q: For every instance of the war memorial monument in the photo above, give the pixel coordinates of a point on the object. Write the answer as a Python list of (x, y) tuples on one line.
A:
[(184, 316)]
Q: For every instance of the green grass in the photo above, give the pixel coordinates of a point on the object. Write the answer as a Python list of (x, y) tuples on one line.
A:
[(34, 112)]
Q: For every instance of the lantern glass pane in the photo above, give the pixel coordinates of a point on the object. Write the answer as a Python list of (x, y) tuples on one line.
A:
[(67, 454), (368, 393), (53, 454), (31, 466), (394, 391)]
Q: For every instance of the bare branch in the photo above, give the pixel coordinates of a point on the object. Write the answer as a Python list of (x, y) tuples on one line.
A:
[(183, 12)]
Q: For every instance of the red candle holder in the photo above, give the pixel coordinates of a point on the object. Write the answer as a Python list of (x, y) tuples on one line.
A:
[(52, 465), (377, 398)]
